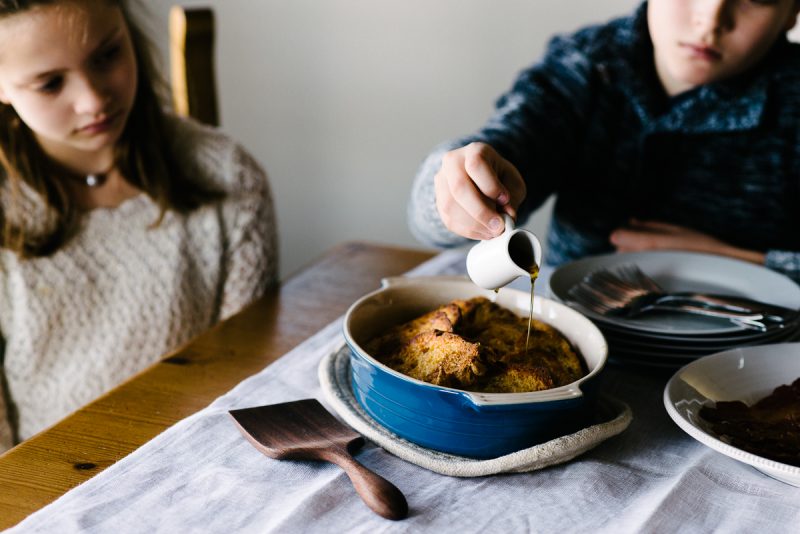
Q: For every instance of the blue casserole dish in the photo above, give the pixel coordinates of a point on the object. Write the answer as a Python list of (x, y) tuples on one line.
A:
[(477, 425)]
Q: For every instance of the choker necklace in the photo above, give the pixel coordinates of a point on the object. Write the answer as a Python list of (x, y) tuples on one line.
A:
[(91, 180), (95, 179)]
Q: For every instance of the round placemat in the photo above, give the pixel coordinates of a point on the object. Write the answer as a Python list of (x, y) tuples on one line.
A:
[(613, 417)]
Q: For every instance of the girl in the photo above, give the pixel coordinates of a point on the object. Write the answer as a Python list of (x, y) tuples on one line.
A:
[(673, 128), (125, 231)]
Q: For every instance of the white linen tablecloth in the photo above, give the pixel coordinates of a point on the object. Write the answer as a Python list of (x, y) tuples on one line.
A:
[(202, 476)]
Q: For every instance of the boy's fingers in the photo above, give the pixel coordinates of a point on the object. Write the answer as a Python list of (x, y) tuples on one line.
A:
[(451, 195), (494, 176), (515, 185), (474, 187), (481, 163), (479, 208)]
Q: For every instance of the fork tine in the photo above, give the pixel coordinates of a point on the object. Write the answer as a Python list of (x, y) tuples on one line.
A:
[(609, 283), (584, 296), (613, 281), (601, 293), (632, 273), (627, 291), (605, 291)]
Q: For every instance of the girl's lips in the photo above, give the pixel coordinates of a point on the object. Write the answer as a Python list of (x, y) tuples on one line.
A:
[(704, 52), (100, 126)]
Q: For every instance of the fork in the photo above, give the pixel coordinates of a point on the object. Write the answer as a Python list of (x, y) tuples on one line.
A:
[(628, 292)]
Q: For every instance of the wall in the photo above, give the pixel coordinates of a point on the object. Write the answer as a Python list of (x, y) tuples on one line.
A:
[(341, 99)]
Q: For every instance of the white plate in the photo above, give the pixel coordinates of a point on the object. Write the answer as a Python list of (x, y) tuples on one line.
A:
[(726, 341), (616, 340), (684, 271), (746, 374)]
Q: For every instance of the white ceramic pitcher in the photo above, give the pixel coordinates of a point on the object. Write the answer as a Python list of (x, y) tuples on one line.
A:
[(496, 262)]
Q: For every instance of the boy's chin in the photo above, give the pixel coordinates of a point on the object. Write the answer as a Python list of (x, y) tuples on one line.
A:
[(691, 76), (688, 80)]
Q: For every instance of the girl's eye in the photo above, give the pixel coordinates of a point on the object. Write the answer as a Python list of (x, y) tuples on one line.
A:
[(107, 56), (51, 86)]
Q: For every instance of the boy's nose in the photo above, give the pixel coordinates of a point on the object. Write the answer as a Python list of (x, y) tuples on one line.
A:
[(712, 17)]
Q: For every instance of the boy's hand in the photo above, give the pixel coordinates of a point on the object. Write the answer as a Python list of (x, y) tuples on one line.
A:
[(474, 187), (653, 235)]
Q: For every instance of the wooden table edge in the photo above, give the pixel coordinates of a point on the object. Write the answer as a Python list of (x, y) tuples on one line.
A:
[(80, 446)]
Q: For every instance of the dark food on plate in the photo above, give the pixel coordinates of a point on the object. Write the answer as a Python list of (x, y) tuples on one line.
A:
[(477, 345), (770, 428)]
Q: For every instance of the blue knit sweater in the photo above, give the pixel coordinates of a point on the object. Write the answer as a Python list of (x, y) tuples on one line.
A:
[(592, 124)]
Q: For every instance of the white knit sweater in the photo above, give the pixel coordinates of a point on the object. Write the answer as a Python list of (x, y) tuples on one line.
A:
[(122, 293)]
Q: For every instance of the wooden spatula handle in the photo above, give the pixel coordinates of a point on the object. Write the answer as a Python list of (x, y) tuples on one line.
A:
[(379, 494)]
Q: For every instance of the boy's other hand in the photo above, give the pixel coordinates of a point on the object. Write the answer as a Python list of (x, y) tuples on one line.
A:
[(639, 236), (474, 187)]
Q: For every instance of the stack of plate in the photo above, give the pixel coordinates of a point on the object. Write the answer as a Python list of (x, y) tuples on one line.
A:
[(668, 339)]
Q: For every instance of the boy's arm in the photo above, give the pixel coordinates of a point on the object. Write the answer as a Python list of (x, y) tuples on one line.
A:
[(536, 127), (639, 236)]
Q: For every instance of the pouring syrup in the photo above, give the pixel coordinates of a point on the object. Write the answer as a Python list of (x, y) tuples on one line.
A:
[(521, 253)]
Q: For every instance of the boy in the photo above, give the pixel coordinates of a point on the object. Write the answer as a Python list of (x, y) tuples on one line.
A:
[(674, 128)]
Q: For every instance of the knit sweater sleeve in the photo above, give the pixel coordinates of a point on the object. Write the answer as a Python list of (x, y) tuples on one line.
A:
[(251, 258), (6, 432), (535, 125), (784, 261)]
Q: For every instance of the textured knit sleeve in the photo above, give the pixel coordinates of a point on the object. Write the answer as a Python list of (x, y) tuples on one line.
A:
[(6, 434), (251, 260), (535, 126), (784, 261)]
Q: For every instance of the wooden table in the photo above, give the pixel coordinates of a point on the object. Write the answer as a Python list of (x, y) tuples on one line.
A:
[(48, 465)]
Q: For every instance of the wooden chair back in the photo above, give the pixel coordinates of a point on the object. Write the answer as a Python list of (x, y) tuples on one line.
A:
[(191, 37)]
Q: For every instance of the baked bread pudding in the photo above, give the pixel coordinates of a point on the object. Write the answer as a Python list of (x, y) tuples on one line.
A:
[(477, 345)]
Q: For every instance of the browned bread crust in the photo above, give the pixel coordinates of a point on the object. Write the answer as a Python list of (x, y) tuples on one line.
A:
[(478, 345)]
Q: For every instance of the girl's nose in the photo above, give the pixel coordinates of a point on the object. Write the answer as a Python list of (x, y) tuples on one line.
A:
[(91, 97), (712, 17)]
